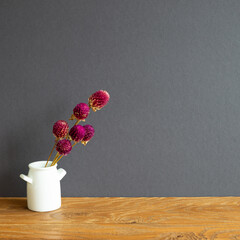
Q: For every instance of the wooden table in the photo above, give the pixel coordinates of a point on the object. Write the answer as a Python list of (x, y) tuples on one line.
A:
[(124, 218)]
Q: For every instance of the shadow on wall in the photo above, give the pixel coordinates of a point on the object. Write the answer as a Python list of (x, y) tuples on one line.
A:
[(20, 149), (14, 154)]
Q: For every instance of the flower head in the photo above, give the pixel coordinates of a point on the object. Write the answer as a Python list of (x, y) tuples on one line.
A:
[(80, 111), (77, 132), (98, 100), (88, 134), (64, 147), (60, 129)]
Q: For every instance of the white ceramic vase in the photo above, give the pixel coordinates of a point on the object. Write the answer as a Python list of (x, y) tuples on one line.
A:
[(43, 186)]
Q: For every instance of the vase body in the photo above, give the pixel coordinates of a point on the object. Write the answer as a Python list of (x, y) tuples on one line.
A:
[(43, 186)]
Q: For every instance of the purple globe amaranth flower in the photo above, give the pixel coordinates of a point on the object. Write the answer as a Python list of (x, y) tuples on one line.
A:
[(77, 133), (88, 134), (98, 100), (64, 147), (60, 129), (80, 112)]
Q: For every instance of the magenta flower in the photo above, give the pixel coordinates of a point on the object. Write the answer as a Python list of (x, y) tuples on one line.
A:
[(88, 134), (77, 133), (60, 129), (80, 112), (98, 100), (64, 147)]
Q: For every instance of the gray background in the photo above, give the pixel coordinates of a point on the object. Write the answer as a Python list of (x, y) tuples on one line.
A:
[(172, 68)]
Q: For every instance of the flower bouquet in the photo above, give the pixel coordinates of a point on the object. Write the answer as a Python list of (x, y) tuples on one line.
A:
[(43, 180), (78, 133)]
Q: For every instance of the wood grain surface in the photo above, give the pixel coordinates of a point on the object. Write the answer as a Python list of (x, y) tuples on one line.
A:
[(124, 218)]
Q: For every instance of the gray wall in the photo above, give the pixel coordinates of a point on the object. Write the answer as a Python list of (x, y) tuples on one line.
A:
[(172, 127)]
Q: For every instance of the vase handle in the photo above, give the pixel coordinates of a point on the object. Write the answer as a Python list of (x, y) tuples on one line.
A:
[(61, 173), (26, 178)]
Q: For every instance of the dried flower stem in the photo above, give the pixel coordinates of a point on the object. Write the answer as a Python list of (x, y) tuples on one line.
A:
[(51, 152), (55, 159), (59, 157), (76, 123), (53, 163)]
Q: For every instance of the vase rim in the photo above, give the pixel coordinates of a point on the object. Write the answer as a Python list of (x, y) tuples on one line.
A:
[(40, 165)]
